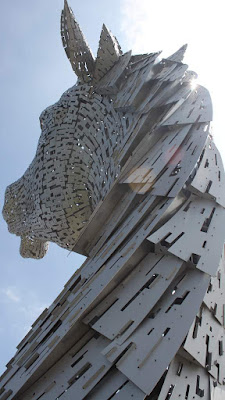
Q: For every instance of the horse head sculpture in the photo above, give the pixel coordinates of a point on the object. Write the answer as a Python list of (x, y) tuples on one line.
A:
[(85, 136), (127, 173)]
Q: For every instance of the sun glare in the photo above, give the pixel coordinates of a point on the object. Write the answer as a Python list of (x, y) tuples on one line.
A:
[(193, 84)]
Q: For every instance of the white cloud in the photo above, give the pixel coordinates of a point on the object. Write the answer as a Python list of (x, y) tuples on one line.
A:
[(26, 315), (11, 294), (24, 308), (151, 26)]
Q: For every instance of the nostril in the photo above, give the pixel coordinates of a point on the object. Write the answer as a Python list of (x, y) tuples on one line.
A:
[(31, 247)]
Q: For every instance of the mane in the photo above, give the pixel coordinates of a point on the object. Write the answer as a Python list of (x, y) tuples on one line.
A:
[(146, 91)]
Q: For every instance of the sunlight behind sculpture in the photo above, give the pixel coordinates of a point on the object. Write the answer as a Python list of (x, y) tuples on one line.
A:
[(127, 173)]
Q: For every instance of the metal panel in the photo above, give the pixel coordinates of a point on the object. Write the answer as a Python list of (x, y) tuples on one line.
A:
[(215, 296), (209, 180), (125, 308), (127, 98), (179, 54), (110, 83), (167, 174), (197, 108), (183, 163), (217, 390), (149, 350), (160, 154), (77, 372), (115, 386), (200, 241), (206, 342), (174, 93), (185, 380)]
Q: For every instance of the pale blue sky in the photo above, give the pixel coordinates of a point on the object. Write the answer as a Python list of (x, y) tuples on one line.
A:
[(34, 74)]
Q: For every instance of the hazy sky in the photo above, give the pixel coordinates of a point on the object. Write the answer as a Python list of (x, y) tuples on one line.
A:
[(34, 74)]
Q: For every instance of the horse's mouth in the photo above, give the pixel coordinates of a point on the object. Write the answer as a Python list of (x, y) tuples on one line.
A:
[(33, 248)]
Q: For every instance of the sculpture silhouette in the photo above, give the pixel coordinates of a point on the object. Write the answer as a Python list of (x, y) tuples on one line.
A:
[(126, 173)]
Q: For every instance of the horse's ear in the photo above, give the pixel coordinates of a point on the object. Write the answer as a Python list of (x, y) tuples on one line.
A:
[(76, 47), (109, 52)]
